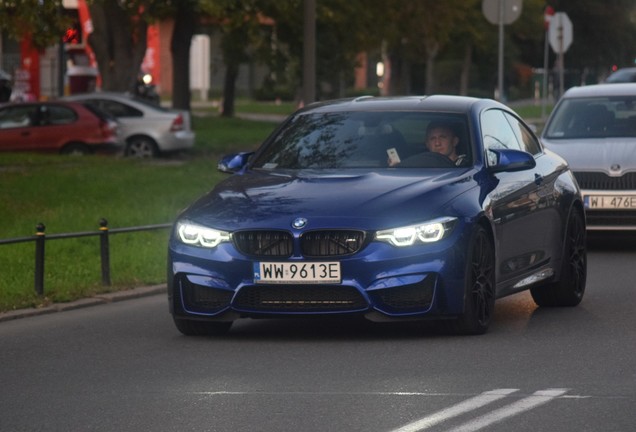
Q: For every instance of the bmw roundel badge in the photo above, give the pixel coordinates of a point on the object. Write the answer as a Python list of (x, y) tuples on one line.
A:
[(299, 223)]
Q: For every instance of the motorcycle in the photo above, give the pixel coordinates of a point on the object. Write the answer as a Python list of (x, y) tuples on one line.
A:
[(146, 90)]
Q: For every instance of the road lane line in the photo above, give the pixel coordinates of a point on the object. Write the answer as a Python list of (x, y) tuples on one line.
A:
[(538, 398), (455, 410)]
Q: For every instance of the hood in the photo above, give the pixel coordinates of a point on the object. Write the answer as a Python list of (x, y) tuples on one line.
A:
[(368, 200), (614, 156)]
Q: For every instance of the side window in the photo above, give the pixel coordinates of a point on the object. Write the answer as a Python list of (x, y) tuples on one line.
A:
[(119, 109), (497, 133), (17, 116), (527, 140), (59, 115)]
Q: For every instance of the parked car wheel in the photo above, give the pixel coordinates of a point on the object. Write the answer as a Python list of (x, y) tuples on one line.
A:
[(568, 291), (202, 328), (76, 149), (141, 147), (479, 299)]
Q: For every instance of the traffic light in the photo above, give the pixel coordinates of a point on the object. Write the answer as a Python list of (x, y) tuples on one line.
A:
[(72, 35)]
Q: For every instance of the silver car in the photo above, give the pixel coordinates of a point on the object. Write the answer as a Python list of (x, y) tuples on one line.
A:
[(148, 129), (594, 129)]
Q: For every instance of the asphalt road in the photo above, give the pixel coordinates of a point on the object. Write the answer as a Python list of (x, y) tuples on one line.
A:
[(122, 366)]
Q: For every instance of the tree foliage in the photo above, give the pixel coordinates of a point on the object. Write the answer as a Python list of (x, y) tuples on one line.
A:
[(43, 21), (434, 46), (238, 22)]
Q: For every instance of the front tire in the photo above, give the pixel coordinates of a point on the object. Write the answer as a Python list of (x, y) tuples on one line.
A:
[(479, 296), (569, 289), (202, 328)]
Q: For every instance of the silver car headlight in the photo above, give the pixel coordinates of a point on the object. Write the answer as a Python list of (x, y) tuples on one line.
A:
[(198, 235), (427, 232)]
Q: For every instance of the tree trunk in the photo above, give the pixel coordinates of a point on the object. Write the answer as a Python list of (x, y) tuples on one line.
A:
[(464, 80), (229, 89), (119, 44), (184, 27), (432, 49)]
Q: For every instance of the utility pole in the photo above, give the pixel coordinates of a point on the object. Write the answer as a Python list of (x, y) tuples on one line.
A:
[(309, 52)]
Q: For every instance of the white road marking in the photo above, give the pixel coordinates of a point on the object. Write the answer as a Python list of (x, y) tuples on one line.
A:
[(538, 398), (521, 405), (455, 410)]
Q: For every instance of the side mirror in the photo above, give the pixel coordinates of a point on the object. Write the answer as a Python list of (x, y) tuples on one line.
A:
[(234, 162), (511, 160)]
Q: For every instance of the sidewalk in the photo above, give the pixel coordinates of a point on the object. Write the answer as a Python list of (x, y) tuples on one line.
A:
[(91, 301)]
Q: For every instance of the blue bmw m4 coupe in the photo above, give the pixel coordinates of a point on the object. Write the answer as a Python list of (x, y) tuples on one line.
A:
[(402, 208)]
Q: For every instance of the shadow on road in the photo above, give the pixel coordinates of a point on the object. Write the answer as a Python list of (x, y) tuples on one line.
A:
[(611, 241)]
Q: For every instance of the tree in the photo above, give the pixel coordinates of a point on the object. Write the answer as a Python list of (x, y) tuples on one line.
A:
[(44, 21), (344, 29), (119, 42), (238, 22), (185, 20), (604, 33)]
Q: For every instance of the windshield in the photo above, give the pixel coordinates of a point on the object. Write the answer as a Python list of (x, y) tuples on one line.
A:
[(596, 117), (360, 140)]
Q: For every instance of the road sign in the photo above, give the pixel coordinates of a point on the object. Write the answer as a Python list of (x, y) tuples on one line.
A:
[(560, 32), (493, 9)]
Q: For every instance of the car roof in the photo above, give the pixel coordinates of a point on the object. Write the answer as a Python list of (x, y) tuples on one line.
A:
[(618, 89), (444, 103), (123, 97), (46, 102)]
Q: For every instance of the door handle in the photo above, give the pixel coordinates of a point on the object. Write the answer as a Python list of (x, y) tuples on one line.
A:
[(538, 179)]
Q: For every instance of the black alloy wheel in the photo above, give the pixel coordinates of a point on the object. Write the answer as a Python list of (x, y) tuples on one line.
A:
[(479, 298), (569, 289)]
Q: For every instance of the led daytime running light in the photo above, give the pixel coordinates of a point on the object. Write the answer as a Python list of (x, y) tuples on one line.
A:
[(200, 236), (428, 232)]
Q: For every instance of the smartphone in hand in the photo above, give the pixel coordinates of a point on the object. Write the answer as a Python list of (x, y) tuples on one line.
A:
[(394, 158)]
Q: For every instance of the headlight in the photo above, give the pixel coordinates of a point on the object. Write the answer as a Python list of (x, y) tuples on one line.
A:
[(201, 236), (426, 232)]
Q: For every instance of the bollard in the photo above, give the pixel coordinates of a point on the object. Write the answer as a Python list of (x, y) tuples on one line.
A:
[(105, 252), (39, 258)]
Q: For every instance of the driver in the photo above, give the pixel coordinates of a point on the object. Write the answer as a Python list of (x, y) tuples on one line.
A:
[(442, 139)]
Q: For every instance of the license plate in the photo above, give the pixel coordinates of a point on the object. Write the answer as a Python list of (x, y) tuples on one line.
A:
[(610, 202), (297, 272)]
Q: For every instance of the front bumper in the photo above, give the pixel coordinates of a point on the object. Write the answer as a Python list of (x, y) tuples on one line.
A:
[(381, 282)]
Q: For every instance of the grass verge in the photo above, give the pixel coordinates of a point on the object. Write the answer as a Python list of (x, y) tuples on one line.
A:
[(71, 194)]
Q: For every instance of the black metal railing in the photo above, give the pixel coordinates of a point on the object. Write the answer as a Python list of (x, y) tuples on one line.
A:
[(40, 238)]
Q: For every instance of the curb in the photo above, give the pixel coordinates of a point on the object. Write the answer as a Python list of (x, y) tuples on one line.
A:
[(98, 299)]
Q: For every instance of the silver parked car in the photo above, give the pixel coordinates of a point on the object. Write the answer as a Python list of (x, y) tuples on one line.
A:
[(148, 129), (594, 129)]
